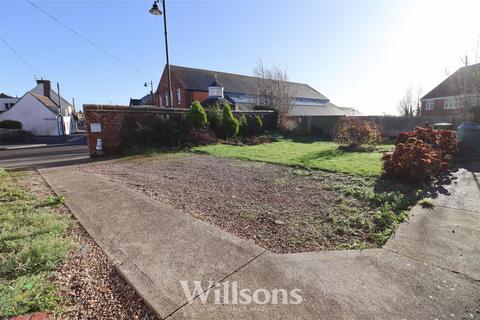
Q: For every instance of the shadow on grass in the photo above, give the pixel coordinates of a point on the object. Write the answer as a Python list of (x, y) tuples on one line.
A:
[(414, 192)]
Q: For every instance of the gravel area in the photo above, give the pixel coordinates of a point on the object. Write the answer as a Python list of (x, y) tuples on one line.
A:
[(92, 287), (281, 208)]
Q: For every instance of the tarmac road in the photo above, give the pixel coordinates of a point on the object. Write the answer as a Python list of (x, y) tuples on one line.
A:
[(45, 152)]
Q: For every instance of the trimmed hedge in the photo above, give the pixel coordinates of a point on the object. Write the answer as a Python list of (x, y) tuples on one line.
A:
[(10, 124)]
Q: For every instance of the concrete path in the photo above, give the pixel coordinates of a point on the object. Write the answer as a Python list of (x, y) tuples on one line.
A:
[(425, 271)]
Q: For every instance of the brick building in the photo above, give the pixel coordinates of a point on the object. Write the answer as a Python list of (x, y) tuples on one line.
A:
[(189, 84), (455, 94)]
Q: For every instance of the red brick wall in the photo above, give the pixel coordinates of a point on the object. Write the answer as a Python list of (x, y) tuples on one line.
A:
[(199, 95), (112, 121), (439, 109), (115, 122), (186, 96)]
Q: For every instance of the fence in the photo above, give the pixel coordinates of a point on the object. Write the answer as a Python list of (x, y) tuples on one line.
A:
[(391, 126), (113, 124)]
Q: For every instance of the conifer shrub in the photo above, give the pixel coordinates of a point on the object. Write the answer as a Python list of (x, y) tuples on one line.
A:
[(197, 116), (229, 123)]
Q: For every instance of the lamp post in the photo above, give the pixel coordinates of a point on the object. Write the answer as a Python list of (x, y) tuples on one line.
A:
[(157, 12), (151, 91)]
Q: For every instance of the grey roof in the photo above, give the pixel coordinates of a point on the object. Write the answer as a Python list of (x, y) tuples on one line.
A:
[(146, 100), (453, 85), (216, 83), (3, 95), (54, 98), (325, 109), (214, 100), (199, 80), (47, 102)]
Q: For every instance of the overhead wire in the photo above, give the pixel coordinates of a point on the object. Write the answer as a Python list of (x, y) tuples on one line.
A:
[(84, 38), (36, 72)]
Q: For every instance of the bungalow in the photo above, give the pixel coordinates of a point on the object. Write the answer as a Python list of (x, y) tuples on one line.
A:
[(43, 112), (455, 94), (189, 84)]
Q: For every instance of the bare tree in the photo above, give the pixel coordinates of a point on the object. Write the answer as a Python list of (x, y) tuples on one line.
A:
[(468, 83), (409, 105), (273, 89)]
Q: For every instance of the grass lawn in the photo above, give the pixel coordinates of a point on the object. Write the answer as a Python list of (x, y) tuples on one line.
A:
[(32, 245), (315, 155)]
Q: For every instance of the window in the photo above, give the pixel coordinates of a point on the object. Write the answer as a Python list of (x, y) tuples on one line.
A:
[(429, 104), (7, 106), (166, 100), (179, 96), (449, 103), (160, 100)]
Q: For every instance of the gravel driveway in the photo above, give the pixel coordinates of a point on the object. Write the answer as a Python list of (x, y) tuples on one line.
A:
[(280, 208)]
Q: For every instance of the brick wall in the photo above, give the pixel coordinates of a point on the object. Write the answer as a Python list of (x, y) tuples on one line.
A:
[(439, 109), (116, 122)]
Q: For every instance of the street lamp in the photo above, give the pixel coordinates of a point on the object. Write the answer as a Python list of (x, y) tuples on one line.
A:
[(157, 12), (151, 91)]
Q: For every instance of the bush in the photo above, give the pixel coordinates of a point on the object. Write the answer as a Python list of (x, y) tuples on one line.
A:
[(250, 126), (354, 132), (197, 116), (215, 118), (243, 129), (200, 137), (255, 125), (414, 161), (162, 131), (15, 136), (10, 124), (229, 123), (444, 141)]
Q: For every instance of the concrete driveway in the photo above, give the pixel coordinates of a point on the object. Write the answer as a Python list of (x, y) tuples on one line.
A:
[(44, 152), (428, 270)]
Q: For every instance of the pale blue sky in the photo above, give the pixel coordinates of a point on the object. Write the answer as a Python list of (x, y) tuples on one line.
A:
[(360, 54)]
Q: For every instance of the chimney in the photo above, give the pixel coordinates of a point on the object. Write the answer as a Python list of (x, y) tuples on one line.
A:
[(46, 87)]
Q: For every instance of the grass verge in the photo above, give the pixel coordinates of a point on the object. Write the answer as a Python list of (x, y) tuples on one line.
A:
[(314, 155), (32, 245)]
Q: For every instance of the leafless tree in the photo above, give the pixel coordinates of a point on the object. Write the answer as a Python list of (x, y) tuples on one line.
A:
[(409, 105), (468, 82), (273, 89)]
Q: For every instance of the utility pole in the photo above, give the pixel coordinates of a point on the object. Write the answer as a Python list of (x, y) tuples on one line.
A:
[(60, 109), (465, 84)]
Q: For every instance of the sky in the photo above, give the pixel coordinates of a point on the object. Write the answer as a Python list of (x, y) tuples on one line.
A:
[(360, 54)]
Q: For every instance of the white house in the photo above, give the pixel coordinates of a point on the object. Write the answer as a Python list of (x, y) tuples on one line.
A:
[(6, 102), (43, 112)]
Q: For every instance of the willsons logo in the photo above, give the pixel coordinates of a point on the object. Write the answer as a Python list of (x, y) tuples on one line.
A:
[(230, 293)]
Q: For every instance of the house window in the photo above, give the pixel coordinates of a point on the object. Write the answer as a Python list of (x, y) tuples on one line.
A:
[(179, 96), (449, 103), (160, 100), (429, 104), (166, 100)]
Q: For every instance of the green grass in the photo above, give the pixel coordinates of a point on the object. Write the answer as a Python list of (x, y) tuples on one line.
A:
[(315, 155), (32, 245)]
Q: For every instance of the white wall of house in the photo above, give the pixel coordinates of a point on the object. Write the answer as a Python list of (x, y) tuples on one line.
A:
[(34, 116), (6, 103)]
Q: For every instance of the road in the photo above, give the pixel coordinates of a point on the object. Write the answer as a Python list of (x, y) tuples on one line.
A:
[(45, 152)]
